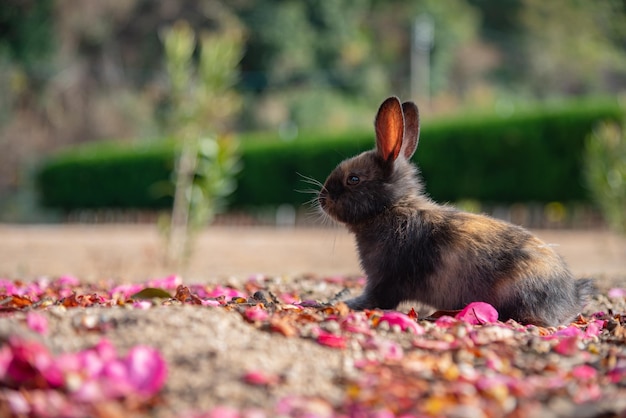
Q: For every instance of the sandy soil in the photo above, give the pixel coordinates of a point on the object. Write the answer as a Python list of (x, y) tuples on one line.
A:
[(208, 350), (134, 252)]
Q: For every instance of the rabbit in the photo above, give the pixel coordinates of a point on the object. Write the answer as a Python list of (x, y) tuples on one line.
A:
[(412, 248)]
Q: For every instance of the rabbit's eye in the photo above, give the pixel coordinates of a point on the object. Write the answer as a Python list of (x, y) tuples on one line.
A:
[(352, 180)]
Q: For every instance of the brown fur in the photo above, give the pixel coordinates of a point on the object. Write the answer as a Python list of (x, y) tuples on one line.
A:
[(414, 249)]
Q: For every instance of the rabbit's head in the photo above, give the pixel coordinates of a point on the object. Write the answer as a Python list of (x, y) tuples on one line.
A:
[(364, 186)]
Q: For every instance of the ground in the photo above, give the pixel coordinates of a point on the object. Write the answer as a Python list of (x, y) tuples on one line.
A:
[(134, 252), (209, 350)]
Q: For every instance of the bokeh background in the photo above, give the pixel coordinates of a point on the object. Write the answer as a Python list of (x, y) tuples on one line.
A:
[(74, 73)]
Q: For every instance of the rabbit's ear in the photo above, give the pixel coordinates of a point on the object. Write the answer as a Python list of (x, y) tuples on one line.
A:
[(411, 129), (389, 129)]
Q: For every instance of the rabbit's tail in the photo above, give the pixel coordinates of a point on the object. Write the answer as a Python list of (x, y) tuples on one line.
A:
[(585, 290)]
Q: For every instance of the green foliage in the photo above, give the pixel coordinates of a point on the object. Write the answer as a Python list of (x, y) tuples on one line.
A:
[(592, 53), (108, 175), (27, 32), (294, 43), (217, 165), (605, 172), (534, 155), (203, 102)]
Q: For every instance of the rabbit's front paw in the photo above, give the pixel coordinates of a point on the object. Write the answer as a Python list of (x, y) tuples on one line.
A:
[(360, 302)]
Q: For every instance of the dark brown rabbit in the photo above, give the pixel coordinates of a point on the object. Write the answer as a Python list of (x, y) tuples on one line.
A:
[(414, 249)]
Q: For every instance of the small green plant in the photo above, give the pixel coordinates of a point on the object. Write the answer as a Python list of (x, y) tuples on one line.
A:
[(605, 164), (202, 102)]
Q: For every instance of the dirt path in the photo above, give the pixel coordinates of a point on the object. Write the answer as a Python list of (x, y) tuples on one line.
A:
[(209, 349), (134, 252)]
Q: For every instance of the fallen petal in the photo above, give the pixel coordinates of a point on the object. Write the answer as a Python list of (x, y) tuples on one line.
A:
[(594, 328), (617, 293), (37, 322), (169, 282), (446, 321), (331, 340), (403, 321), (584, 372), (260, 378), (567, 346), (256, 314), (146, 370), (570, 331), (478, 313)]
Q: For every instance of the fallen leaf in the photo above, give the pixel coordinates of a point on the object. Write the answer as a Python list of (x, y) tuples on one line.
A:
[(282, 326), (443, 313), (151, 293)]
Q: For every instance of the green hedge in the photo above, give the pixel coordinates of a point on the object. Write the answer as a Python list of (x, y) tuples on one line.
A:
[(533, 155), (107, 175)]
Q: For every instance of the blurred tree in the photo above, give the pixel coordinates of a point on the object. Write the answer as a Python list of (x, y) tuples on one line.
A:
[(456, 23), (605, 172), (26, 33), (27, 42), (203, 102), (294, 42), (501, 27), (574, 46)]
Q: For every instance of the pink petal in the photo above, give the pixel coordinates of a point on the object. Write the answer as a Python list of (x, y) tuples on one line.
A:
[(570, 331), (256, 314), (17, 403), (37, 322), (115, 379), (446, 321), (260, 378), (591, 392), (5, 359), (147, 370), (389, 350), (90, 391), (478, 313), (91, 363), (617, 375), (67, 280), (356, 323), (435, 345), (169, 282), (382, 414), (142, 304), (126, 290), (289, 298), (567, 346), (227, 292), (617, 293), (223, 412), (331, 340), (594, 328), (584, 372), (403, 321), (253, 413)]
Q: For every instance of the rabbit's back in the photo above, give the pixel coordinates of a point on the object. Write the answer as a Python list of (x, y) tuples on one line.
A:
[(447, 259)]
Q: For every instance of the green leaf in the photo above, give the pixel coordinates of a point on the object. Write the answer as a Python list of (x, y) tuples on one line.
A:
[(151, 293)]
